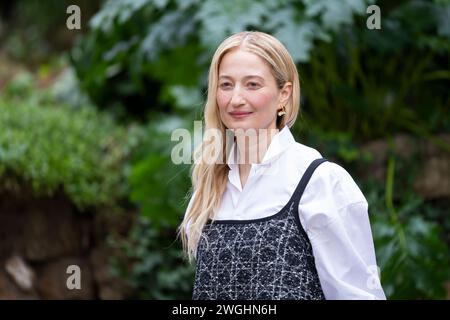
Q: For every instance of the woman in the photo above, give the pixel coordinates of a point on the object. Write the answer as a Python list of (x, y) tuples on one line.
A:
[(270, 218)]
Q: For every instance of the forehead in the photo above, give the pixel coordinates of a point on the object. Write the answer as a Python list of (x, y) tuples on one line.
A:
[(240, 63)]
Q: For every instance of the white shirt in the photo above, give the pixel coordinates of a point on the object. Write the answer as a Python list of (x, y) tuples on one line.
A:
[(333, 211)]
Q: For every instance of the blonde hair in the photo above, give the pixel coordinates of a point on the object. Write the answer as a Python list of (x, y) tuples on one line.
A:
[(209, 181)]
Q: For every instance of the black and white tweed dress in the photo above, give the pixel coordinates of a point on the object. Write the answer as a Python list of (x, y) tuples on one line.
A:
[(266, 259)]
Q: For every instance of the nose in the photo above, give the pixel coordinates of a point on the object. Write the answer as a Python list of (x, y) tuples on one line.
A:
[(237, 99)]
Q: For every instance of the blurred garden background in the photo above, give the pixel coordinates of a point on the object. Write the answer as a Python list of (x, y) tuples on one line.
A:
[(86, 118)]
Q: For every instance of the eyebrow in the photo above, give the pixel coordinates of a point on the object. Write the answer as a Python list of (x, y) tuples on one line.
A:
[(246, 77)]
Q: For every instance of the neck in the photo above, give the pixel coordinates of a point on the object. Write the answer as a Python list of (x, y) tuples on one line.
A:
[(252, 145)]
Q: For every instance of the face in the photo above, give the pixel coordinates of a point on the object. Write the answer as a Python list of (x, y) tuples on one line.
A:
[(247, 94)]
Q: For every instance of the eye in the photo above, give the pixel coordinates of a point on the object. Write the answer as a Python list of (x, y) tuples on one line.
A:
[(225, 85), (253, 85)]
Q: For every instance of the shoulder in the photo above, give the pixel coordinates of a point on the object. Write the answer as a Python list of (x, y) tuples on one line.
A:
[(329, 180), (338, 183), (303, 153)]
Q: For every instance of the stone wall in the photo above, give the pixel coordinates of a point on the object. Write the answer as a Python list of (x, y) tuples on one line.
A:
[(433, 179), (41, 237)]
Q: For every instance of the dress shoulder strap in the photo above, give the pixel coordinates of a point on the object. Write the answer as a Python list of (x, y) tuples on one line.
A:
[(305, 179)]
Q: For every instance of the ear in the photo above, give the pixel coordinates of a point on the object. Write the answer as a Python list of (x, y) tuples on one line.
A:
[(285, 93)]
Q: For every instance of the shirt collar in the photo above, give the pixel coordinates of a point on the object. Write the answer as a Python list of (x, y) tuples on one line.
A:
[(280, 142)]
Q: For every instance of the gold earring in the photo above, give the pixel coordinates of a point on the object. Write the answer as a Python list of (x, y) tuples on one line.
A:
[(282, 112)]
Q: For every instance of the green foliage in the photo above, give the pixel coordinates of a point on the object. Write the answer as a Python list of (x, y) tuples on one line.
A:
[(28, 29), (136, 51), (158, 270), (368, 82), (411, 235), (338, 145), (412, 255), (158, 186), (51, 147), (33, 31), (150, 59), (371, 84)]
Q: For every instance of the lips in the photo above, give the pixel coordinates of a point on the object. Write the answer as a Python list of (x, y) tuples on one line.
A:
[(240, 114)]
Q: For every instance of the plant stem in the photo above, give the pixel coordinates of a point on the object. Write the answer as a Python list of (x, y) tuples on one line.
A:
[(390, 204)]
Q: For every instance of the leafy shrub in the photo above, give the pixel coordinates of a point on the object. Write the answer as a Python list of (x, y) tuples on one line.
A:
[(35, 31), (411, 251), (137, 51), (370, 83), (51, 147), (158, 270), (357, 84), (158, 186)]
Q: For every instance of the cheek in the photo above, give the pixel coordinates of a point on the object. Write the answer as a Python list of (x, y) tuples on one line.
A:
[(262, 100), (222, 99)]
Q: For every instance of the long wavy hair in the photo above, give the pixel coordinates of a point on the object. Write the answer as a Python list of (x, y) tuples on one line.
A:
[(209, 180)]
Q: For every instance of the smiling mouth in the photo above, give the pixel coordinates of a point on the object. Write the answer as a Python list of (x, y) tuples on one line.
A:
[(239, 115)]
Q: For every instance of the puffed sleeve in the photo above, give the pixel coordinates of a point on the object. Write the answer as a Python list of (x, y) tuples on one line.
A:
[(334, 214)]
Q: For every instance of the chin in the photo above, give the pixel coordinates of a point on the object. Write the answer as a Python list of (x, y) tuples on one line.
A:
[(242, 126)]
